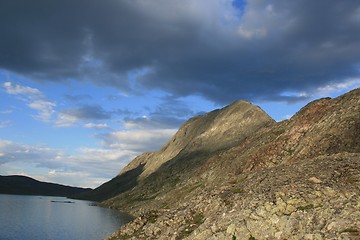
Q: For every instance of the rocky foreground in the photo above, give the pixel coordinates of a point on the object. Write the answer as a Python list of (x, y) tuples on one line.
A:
[(312, 199), (234, 173)]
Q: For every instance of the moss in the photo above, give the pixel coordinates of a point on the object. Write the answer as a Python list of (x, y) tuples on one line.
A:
[(143, 197), (238, 180), (237, 190), (305, 208), (278, 132), (351, 230), (198, 218)]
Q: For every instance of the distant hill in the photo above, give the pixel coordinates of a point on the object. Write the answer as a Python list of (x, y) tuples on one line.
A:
[(235, 173), (23, 185)]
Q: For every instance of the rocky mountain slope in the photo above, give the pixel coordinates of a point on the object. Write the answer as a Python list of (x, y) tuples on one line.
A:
[(234, 173), (28, 186), (198, 137)]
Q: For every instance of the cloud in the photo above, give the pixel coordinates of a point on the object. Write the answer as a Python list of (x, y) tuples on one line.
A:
[(33, 98), (337, 87), (22, 90), (146, 122), (138, 141), (10, 151), (88, 167), (209, 48), (96, 126), (67, 117), (170, 113)]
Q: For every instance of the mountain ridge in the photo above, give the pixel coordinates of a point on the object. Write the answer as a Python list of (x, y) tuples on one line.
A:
[(195, 135), (23, 185), (240, 175)]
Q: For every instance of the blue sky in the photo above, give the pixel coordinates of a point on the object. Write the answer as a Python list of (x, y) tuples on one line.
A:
[(85, 91)]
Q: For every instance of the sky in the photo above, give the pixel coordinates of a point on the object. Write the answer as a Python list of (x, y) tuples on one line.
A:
[(87, 85)]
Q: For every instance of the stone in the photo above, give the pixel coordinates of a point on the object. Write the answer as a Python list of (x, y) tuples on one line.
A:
[(315, 180)]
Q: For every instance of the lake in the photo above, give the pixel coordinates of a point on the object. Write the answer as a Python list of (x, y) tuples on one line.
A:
[(55, 218)]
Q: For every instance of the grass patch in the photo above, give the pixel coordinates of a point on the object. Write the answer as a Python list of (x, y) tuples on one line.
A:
[(237, 190), (143, 198), (351, 231), (278, 132), (305, 208), (198, 218), (238, 180)]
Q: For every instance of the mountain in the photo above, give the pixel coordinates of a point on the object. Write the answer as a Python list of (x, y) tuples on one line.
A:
[(235, 173), (197, 138), (28, 186)]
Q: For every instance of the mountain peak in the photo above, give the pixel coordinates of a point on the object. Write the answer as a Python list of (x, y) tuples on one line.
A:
[(218, 129), (248, 176)]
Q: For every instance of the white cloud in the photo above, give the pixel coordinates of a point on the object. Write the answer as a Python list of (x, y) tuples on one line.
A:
[(22, 90), (338, 87), (96, 126), (45, 109), (65, 120), (10, 151), (68, 117), (88, 167), (34, 99), (333, 89), (138, 140)]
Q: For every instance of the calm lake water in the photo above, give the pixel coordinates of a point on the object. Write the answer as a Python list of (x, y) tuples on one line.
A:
[(53, 218)]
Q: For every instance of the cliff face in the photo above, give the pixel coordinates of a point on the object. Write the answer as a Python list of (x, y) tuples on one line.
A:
[(234, 173)]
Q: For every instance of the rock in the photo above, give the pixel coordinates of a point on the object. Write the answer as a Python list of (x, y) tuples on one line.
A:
[(231, 229), (316, 236), (315, 180)]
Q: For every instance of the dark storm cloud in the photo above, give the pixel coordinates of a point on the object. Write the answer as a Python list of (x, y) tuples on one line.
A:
[(188, 47)]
